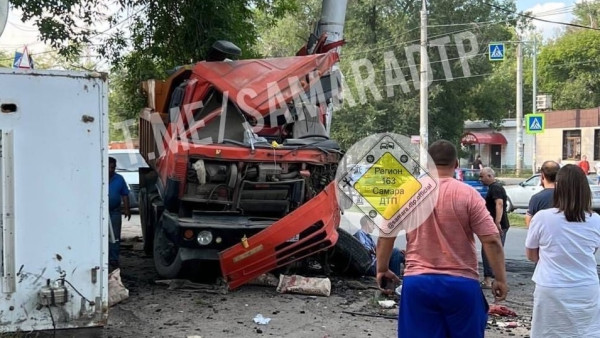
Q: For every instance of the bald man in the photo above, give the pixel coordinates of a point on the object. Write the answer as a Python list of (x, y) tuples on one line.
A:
[(495, 202)]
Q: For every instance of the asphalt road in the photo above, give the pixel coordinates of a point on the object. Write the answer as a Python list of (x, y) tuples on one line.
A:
[(514, 247)]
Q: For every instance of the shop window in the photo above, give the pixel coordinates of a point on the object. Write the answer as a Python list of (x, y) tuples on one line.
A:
[(571, 145)]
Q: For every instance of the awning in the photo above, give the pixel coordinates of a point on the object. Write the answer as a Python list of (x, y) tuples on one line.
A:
[(483, 138)]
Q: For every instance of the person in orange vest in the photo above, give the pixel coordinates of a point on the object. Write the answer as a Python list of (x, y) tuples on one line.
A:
[(584, 164)]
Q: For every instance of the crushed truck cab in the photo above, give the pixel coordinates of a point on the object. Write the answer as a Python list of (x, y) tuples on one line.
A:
[(241, 164)]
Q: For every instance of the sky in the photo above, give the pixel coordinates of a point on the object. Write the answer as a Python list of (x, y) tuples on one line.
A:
[(17, 34), (553, 10)]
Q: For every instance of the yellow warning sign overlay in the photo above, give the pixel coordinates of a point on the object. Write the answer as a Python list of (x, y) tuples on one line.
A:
[(387, 185)]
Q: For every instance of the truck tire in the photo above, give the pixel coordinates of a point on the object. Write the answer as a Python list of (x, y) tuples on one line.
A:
[(167, 261), (349, 255), (147, 222)]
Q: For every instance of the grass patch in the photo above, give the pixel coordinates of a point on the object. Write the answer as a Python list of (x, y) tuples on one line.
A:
[(516, 220)]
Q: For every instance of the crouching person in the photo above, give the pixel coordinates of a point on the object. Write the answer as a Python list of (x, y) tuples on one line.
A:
[(364, 236)]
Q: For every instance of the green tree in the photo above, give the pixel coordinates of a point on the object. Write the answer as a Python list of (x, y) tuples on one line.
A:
[(64, 24), (568, 69), (166, 34), (374, 28), (285, 36), (161, 35), (5, 60), (587, 13), (494, 98)]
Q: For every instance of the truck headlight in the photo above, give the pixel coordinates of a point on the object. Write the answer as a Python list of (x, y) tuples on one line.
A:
[(204, 237)]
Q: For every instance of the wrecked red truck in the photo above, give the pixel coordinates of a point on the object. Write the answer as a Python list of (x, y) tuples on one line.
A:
[(241, 164)]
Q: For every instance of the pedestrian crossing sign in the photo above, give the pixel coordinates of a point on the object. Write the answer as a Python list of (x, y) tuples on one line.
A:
[(496, 51), (535, 123)]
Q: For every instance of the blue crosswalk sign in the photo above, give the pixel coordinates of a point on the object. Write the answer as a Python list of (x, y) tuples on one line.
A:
[(496, 51), (535, 123)]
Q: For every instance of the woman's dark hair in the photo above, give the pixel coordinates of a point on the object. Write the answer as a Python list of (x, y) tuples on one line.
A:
[(572, 194)]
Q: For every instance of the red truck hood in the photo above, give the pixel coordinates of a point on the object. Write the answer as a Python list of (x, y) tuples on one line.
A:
[(257, 83)]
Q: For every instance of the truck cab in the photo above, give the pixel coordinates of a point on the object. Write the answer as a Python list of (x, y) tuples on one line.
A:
[(241, 164)]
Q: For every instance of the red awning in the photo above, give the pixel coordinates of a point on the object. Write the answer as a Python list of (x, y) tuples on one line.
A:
[(483, 138)]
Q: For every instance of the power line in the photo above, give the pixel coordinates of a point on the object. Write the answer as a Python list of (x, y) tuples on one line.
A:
[(381, 47), (538, 19), (418, 40), (91, 37), (120, 22), (561, 10), (463, 24), (416, 66), (23, 28), (481, 52)]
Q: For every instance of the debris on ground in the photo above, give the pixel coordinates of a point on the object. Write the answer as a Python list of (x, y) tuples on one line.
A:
[(352, 311), (356, 285), (184, 284), (259, 319), (376, 315), (387, 304), (501, 310), (304, 285), (267, 279), (117, 292), (509, 325)]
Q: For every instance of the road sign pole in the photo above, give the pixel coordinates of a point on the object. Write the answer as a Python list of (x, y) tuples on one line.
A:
[(424, 94), (534, 105), (519, 109)]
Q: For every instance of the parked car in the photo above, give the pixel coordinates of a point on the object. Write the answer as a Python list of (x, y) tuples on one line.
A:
[(471, 177), (128, 163), (520, 194)]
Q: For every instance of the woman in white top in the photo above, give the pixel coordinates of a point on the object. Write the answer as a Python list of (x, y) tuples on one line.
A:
[(563, 241)]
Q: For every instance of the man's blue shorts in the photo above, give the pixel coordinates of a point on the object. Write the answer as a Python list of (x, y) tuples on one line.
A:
[(441, 306)]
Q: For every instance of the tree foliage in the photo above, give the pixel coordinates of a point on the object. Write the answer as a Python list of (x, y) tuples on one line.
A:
[(63, 24), (149, 37), (587, 13), (285, 36), (376, 28), (5, 60), (569, 70)]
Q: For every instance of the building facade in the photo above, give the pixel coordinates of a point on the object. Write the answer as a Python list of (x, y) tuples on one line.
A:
[(497, 145), (570, 134)]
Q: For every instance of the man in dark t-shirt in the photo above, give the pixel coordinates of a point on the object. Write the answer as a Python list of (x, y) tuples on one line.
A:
[(495, 202), (477, 164), (545, 198)]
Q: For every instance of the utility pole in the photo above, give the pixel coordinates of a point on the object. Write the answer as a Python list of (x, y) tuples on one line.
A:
[(424, 94), (333, 18), (534, 105), (519, 107)]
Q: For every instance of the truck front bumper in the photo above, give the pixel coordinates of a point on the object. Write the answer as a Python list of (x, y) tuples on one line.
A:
[(309, 229)]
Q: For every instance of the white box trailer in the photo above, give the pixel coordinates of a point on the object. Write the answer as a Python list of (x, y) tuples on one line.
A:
[(53, 200)]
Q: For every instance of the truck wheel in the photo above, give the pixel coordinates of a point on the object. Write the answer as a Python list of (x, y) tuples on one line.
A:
[(349, 255), (166, 255), (147, 222)]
